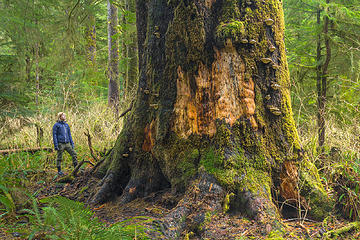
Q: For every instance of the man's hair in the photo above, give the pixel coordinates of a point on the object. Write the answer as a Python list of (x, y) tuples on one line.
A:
[(59, 115)]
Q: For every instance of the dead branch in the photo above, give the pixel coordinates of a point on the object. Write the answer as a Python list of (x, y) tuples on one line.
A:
[(29, 150), (90, 145), (74, 173), (127, 110), (71, 177), (100, 162)]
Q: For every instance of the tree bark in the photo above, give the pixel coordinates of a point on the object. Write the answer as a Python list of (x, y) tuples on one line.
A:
[(90, 34), (113, 65), (212, 114), (321, 76)]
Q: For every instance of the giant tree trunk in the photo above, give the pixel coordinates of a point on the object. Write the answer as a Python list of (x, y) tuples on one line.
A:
[(212, 113)]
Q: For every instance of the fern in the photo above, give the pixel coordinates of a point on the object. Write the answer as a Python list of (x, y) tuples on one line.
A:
[(6, 200), (63, 218)]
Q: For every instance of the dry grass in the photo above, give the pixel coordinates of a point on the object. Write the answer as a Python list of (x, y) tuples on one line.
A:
[(99, 120)]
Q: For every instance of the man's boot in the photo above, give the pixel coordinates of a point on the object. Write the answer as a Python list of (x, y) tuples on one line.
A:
[(60, 173)]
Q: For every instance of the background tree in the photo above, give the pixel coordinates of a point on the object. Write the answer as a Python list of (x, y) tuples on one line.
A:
[(113, 48), (52, 34), (91, 40), (213, 100), (324, 53), (129, 56)]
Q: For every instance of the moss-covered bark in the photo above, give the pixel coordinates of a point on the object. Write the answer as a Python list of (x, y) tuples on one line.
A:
[(213, 100)]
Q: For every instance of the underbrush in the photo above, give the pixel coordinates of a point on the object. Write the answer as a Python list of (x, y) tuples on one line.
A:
[(338, 162), (61, 218), (23, 175)]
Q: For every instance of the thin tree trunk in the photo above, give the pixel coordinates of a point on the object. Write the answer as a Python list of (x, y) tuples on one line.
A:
[(90, 33), (37, 74), (320, 114), (322, 72), (113, 62), (28, 68)]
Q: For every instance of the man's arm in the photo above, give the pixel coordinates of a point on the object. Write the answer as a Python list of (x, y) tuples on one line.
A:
[(55, 137)]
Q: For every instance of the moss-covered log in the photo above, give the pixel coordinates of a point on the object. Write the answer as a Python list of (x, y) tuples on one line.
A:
[(213, 97)]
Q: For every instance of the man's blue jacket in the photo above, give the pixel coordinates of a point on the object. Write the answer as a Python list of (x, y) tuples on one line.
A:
[(62, 134)]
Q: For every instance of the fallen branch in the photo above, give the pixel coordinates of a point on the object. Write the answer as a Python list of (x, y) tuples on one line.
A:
[(347, 228), (71, 177), (29, 150), (90, 145)]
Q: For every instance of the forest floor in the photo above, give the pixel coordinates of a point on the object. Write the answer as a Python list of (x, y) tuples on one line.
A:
[(159, 204)]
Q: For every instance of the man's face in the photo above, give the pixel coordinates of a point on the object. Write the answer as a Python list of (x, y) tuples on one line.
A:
[(63, 117)]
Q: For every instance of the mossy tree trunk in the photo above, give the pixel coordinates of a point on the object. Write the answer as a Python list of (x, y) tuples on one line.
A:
[(212, 111)]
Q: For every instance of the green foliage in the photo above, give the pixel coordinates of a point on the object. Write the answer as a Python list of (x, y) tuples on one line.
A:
[(6, 200), (302, 33), (346, 182), (62, 218), (338, 162), (15, 171)]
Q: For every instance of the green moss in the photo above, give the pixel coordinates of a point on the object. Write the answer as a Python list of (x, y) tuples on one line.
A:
[(226, 204), (234, 30), (275, 235), (178, 159), (313, 190), (230, 10), (233, 169)]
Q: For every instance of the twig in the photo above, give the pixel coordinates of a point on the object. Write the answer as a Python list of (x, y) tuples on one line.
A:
[(90, 145), (299, 219)]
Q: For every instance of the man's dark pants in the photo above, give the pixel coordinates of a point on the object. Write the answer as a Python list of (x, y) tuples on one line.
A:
[(67, 147)]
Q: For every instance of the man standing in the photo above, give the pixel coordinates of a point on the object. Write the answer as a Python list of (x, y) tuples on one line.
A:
[(63, 141)]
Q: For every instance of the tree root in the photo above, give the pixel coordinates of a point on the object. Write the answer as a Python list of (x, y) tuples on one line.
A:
[(106, 191), (203, 196)]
